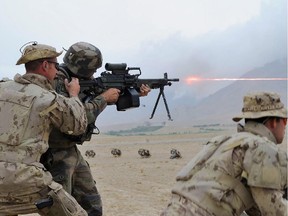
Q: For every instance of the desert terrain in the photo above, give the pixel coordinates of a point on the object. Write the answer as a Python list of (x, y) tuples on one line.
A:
[(135, 186)]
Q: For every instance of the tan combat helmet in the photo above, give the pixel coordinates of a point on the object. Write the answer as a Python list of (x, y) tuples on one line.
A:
[(36, 51), (262, 104)]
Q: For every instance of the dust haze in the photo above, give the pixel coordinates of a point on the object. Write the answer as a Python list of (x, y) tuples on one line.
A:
[(229, 53)]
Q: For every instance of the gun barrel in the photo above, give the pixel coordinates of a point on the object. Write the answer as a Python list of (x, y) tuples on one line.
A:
[(174, 80)]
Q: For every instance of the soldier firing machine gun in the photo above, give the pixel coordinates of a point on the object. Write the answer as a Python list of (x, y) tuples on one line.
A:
[(118, 76)]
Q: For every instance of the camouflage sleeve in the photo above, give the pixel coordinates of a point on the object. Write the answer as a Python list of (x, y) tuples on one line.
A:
[(69, 116), (94, 108), (269, 201), (266, 165)]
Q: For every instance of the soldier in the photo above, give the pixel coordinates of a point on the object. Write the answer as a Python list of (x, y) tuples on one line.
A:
[(29, 109), (237, 173), (63, 159)]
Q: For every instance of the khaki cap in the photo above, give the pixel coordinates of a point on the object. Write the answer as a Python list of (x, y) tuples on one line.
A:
[(37, 51), (262, 104)]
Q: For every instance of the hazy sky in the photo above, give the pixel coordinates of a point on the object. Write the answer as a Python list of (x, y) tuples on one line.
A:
[(208, 38), (118, 28)]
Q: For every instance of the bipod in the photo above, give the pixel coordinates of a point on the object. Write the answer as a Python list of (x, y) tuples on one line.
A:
[(161, 93)]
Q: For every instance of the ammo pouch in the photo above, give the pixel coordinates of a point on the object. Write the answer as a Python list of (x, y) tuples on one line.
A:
[(63, 204)]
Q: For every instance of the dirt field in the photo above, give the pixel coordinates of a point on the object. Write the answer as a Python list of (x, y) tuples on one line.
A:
[(135, 186), (131, 185)]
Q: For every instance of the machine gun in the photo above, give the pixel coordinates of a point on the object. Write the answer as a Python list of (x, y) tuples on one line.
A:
[(118, 76)]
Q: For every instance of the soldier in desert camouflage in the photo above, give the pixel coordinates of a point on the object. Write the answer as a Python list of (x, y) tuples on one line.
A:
[(63, 159), (243, 172), (29, 109)]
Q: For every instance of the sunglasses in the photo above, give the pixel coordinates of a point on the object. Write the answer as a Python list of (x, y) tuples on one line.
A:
[(55, 63)]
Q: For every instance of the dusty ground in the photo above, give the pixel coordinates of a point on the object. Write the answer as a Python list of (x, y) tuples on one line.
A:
[(135, 186), (131, 185)]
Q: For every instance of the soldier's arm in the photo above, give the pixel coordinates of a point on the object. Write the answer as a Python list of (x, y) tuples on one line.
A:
[(94, 108), (69, 115), (269, 201)]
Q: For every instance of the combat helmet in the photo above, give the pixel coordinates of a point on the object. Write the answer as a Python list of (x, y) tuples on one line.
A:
[(83, 59), (262, 104)]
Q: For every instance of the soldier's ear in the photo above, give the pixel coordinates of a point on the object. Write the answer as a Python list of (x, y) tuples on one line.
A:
[(44, 65)]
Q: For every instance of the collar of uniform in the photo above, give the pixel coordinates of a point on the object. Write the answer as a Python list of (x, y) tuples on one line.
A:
[(36, 79), (258, 129)]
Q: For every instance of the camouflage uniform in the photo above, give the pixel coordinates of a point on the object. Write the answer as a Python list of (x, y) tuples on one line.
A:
[(63, 159), (212, 182), (29, 108)]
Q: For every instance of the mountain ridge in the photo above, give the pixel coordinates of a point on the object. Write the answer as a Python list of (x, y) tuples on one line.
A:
[(222, 105)]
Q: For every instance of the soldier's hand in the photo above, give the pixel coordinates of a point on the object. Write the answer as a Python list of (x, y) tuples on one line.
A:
[(72, 87), (144, 90), (111, 95)]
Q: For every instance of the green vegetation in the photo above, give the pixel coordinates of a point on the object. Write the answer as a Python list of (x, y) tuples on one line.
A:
[(140, 130), (150, 130), (206, 125)]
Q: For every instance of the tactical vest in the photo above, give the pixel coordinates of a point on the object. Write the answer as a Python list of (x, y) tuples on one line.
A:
[(22, 131), (23, 137)]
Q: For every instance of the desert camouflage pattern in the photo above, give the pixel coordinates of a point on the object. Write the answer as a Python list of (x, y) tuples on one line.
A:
[(37, 51), (64, 160), (83, 59), (181, 206), (262, 104), (29, 107), (211, 181), (62, 205)]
